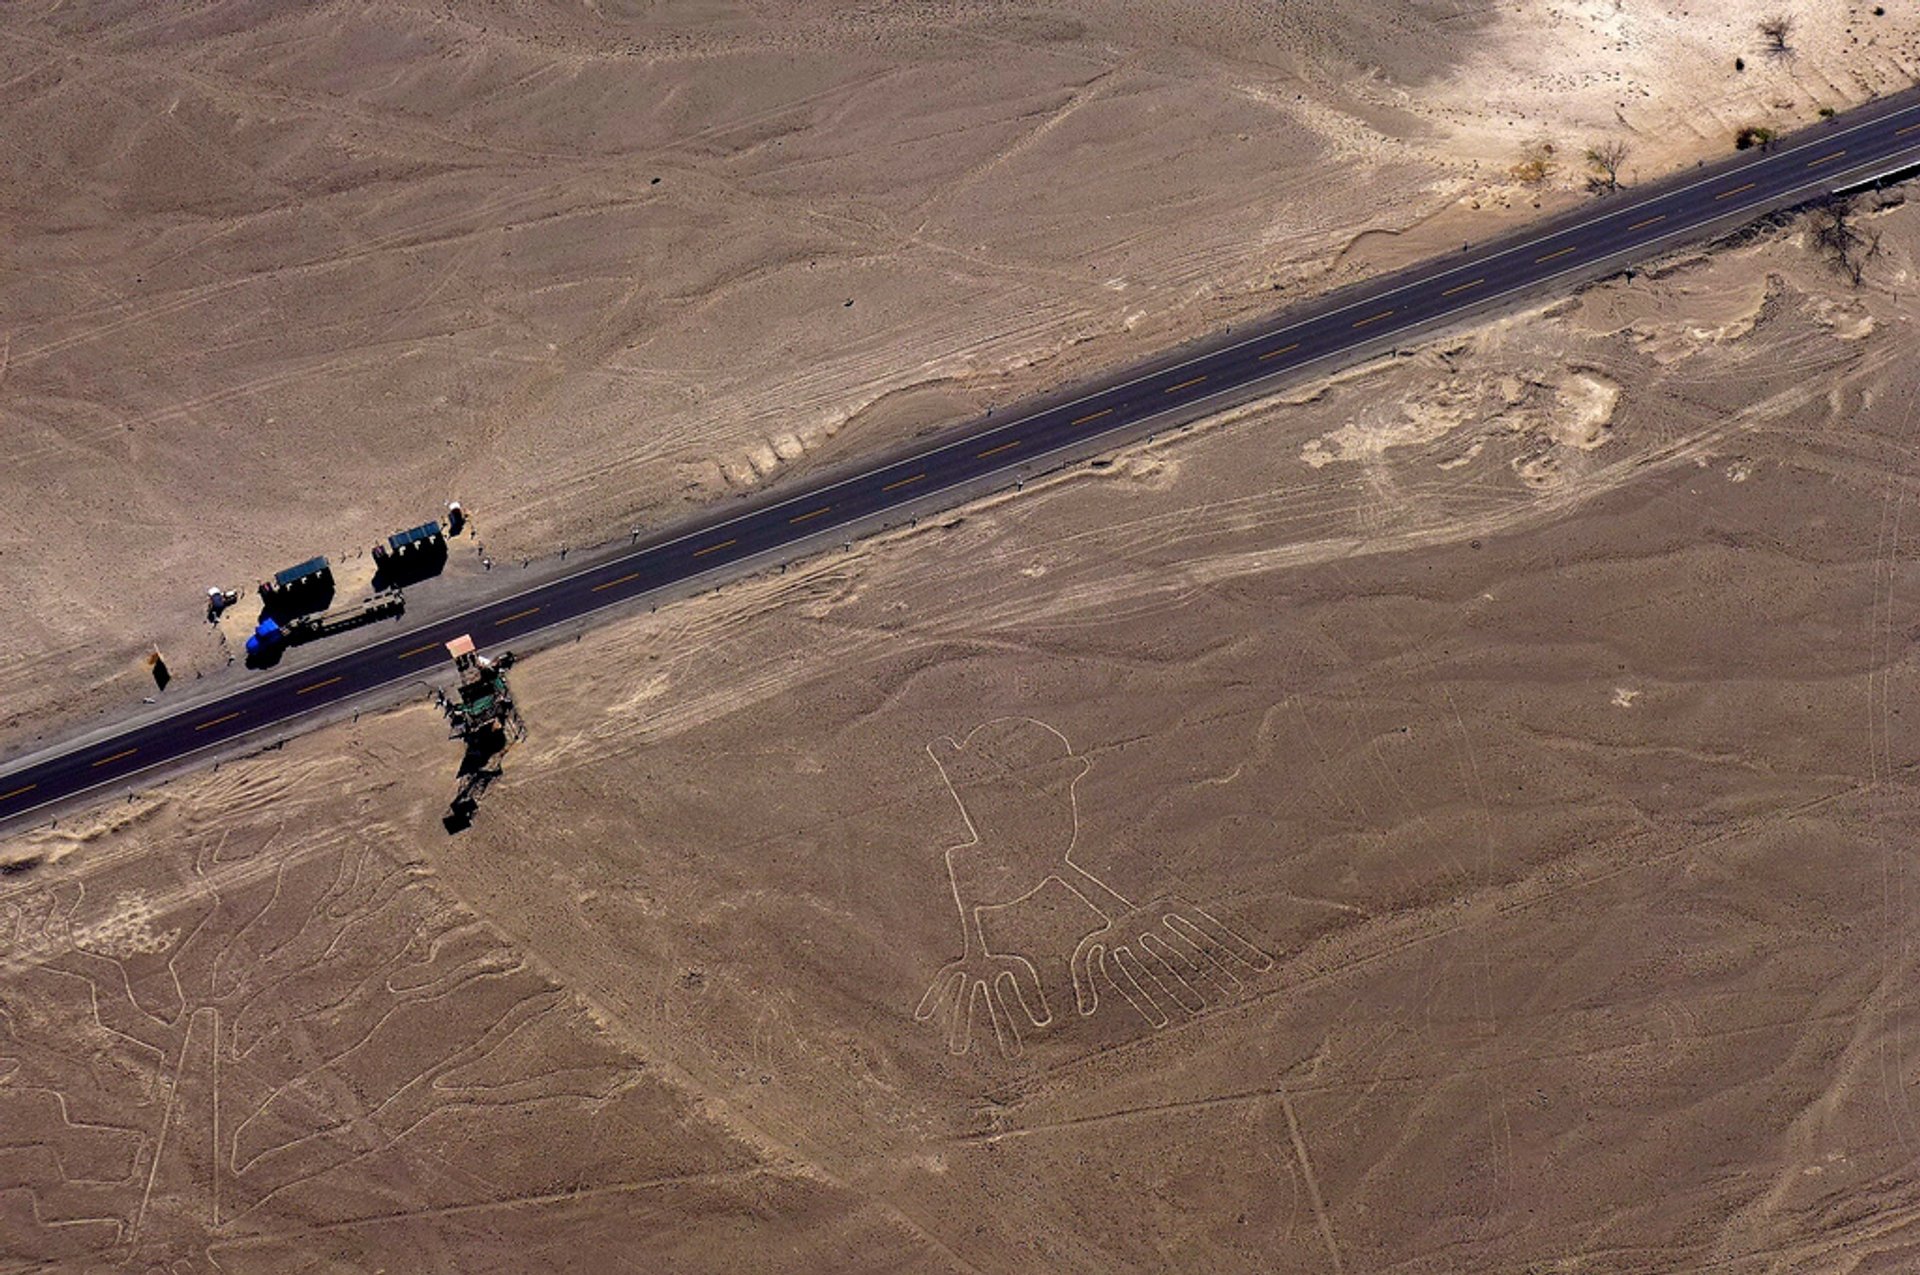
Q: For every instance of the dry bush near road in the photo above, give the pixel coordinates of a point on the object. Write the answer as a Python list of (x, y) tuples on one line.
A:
[(1605, 158), (1535, 165), (1840, 240)]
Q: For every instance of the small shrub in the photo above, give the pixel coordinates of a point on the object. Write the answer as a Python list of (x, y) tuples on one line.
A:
[(1836, 237), (1536, 164), (1605, 158)]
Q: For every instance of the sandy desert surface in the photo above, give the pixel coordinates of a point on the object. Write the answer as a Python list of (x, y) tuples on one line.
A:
[(1457, 818), (276, 280), (1453, 816)]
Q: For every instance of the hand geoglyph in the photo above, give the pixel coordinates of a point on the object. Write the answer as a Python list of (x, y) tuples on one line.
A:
[(1013, 779)]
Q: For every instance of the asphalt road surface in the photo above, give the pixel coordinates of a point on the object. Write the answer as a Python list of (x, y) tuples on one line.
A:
[(1875, 141)]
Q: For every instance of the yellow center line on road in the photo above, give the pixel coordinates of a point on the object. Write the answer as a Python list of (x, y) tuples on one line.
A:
[(506, 619), (216, 721), (1372, 318), (1561, 253), (1902, 132), (701, 553), (1729, 194), (904, 482), (8, 796), (1090, 416), (1183, 385), (1647, 221), (994, 451), (318, 685), (1274, 354), (1825, 159), (810, 514), (631, 575), (1462, 287), (116, 757), (418, 650)]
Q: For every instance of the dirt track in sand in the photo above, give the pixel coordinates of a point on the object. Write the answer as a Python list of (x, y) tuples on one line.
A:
[(1516, 725)]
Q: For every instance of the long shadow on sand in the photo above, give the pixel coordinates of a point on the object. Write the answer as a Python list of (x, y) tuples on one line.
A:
[(422, 561), (479, 767)]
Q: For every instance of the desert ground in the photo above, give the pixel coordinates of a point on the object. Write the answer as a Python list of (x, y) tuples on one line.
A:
[(1452, 816), (276, 280), (1455, 817)]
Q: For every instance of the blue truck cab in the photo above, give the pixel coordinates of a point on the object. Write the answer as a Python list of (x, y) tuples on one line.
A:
[(267, 635)]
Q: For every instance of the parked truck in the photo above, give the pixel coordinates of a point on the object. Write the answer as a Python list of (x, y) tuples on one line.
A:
[(271, 635)]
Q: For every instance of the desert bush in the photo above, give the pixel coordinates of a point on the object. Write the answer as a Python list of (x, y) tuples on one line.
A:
[(1536, 164), (1605, 158), (1843, 243)]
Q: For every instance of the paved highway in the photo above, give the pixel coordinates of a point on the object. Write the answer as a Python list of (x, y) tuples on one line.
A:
[(1873, 141)]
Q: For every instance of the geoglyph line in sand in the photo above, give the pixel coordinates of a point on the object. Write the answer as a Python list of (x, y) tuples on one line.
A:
[(1014, 780)]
